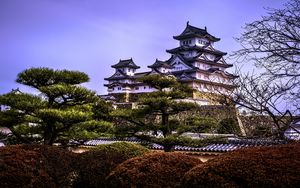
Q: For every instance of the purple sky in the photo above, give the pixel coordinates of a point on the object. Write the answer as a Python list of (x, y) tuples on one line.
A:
[(91, 35)]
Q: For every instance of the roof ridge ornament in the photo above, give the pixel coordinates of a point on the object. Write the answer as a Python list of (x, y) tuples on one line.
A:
[(187, 23)]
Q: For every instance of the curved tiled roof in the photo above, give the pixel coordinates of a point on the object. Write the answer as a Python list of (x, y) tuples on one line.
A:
[(231, 145), (197, 48), (125, 63), (159, 63), (192, 31)]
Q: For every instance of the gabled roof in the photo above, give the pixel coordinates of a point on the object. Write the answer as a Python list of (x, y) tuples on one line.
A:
[(118, 75), (185, 76), (125, 63), (214, 63), (141, 74), (182, 59), (224, 73), (196, 48), (229, 86), (191, 32), (159, 63)]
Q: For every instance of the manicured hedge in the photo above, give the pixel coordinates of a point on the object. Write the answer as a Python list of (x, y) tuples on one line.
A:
[(125, 148), (93, 166), (35, 166), (277, 166), (152, 170)]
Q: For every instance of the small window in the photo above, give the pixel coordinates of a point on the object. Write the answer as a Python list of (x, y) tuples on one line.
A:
[(119, 88), (145, 87), (136, 88)]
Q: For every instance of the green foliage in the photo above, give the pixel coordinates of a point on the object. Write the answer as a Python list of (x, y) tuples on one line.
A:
[(61, 107), (262, 131), (163, 103), (101, 110), (228, 126), (26, 103), (39, 77), (276, 166), (69, 94), (93, 166), (125, 148), (159, 82), (35, 166), (153, 170), (201, 124)]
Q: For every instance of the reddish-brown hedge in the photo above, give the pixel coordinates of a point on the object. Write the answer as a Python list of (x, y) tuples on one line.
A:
[(276, 166), (152, 170), (35, 166), (93, 166)]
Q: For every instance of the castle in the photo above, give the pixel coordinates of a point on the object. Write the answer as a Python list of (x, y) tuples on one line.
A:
[(194, 62)]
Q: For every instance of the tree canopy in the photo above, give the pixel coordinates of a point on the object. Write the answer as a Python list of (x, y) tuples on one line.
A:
[(272, 45), (151, 120), (62, 109)]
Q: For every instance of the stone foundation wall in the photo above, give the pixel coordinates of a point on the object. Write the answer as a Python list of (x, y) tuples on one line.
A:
[(217, 112)]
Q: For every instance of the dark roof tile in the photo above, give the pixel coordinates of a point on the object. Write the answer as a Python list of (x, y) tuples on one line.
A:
[(192, 31), (159, 63), (126, 63)]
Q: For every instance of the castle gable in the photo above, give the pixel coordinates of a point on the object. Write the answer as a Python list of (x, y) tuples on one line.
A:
[(178, 64)]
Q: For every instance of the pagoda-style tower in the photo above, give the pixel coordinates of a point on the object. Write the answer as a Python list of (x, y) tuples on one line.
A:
[(124, 81), (160, 67), (197, 63), (194, 62)]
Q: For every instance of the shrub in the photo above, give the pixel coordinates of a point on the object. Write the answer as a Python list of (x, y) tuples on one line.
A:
[(276, 166), (152, 170), (202, 124), (125, 148), (93, 166), (228, 126), (59, 163), (35, 166)]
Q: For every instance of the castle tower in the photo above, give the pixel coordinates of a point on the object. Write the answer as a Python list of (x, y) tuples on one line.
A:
[(194, 62), (197, 63)]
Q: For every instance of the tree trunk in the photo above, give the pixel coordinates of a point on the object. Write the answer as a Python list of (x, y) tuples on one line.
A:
[(165, 123), (48, 133)]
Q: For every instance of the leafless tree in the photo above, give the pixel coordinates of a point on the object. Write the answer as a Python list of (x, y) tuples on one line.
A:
[(263, 98), (272, 44)]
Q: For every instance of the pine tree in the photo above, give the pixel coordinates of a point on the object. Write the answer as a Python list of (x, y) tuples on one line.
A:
[(61, 110), (151, 120)]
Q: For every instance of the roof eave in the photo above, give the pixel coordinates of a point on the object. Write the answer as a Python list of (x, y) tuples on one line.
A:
[(210, 37)]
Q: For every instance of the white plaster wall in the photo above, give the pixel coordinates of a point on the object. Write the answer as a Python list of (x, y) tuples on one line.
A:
[(142, 89), (199, 43), (204, 66), (115, 90), (192, 43), (178, 67), (163, 70), (128, 71), (210, 57)]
